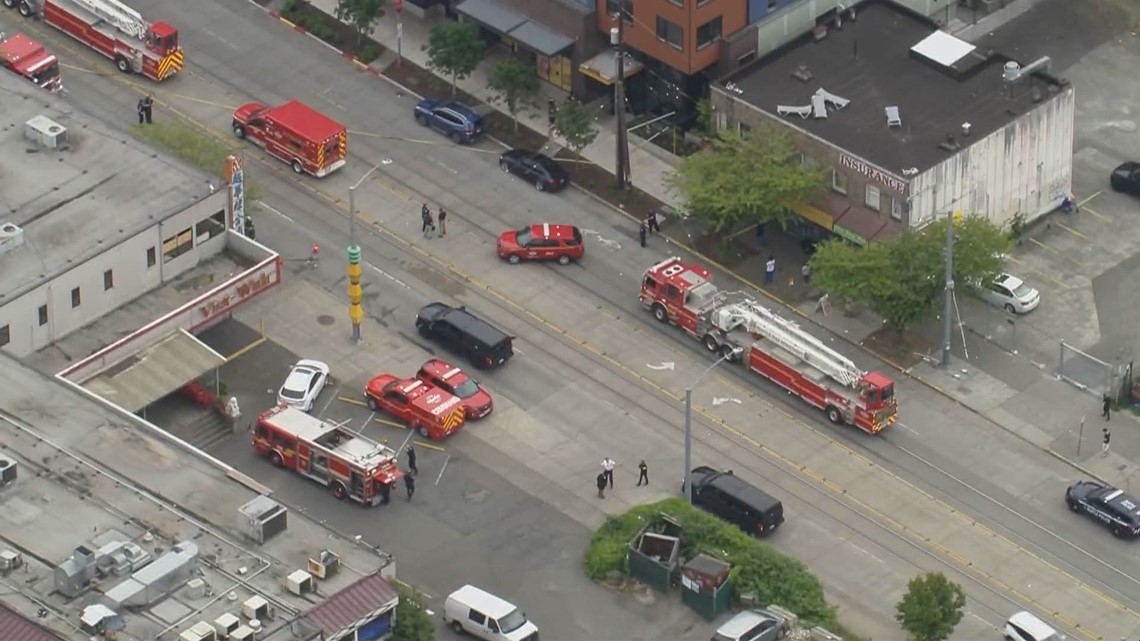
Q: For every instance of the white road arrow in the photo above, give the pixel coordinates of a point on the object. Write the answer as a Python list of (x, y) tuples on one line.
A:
[(613, 244), (722, 401), (666, 365)]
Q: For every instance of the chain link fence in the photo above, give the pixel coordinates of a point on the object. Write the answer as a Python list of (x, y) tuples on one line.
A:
[(1086, 372)]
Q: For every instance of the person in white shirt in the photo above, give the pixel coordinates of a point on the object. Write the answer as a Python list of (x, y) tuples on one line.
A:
[(608, 465)]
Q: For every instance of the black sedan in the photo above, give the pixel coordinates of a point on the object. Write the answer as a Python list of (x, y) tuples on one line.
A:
[(1126, 178), (1107, 505), (537, 169)]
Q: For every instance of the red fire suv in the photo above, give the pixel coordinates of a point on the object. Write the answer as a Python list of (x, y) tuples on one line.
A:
[(432, 412), (439, 373)]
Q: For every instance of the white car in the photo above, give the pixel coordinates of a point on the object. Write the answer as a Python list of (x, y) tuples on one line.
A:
[(305, 381), (1011, 294), (1024, 626), (752, 625)]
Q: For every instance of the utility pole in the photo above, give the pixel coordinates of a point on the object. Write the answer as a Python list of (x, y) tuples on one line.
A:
[(687, 482), (617, 38), (948, 312), (355, 291)]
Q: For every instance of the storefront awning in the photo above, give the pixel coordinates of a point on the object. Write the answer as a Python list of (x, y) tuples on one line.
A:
[(492, 14), (859, 226), (155, 372), (538, 38), (603, 67)]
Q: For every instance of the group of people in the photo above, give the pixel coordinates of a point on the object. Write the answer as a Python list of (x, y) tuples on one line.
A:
[(409, 478), (145, 109), (606, 476), (429, 224), (649, 225)]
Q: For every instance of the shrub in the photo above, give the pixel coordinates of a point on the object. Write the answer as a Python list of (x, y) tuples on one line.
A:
[(368, 53)]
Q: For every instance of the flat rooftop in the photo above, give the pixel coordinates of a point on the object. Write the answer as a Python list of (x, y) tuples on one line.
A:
[(869, 63), (90, 477), (77, 201)]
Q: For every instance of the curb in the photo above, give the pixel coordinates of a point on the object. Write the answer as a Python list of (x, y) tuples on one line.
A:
[(363, 66)]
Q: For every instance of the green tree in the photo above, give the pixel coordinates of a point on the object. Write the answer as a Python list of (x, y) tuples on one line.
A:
[(455, 49), (575, 122), (754, 178), (931, 607), (704, 117), (515, 85), (979, 248), (361, 14), (413, 623)]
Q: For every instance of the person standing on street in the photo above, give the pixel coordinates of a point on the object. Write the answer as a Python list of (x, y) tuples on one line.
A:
[(428, 225), (385, 493), (1106, 407), (442, 222), (601, 485), (651, 222), (141, 108), (608, 465), (412, 459), (410, 484), (770, 270), (642, 473), (805, 272), (1105, 440), (642, 231), (148, 108)]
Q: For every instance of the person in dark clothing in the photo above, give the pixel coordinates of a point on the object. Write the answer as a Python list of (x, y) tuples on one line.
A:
[(551, 111), (601, 485), (642, 231), (651, 222), (148, 108), (1106, 408), (442, 222), (429, 225), (412, 460), (642, 473), (410, 484), (1105, 440), (141, 108), (385, 493)]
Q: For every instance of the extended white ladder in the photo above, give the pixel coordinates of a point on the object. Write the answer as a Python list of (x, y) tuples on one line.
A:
[(758, 319), (124, 18)]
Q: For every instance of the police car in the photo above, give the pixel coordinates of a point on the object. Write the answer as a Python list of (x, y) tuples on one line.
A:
[(1111, 507)]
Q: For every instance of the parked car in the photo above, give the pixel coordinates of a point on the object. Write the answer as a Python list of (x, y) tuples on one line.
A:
[(537, 169), (1025, 626), (439, 373), (464, 333), (1011, 294), (562, 243), (455, 120), (305, 381), (1126, 178), (735, 500), (470, 610), (1107, 505), (752, 625)]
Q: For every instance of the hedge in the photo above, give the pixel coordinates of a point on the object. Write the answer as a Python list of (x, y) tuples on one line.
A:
[(756, 567)]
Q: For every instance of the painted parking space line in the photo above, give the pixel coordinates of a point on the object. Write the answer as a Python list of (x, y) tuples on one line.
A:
[(1089, 199), (352, 401), (430, 446), (1071, 230), (1039, 273), (442, 469), (325, 407), (1089, 210)]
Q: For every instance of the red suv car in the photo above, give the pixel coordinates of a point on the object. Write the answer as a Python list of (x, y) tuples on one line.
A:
[(443, 375), (562, 243)]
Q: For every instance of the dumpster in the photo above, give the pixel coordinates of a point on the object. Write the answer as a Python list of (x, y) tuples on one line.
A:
[(705, 586), (655, 552)]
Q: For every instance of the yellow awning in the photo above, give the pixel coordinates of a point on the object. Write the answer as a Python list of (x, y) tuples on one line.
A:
[(815, 215), (603, 67)]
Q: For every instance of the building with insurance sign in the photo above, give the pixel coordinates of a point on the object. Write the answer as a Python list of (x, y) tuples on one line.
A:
[(909, 123)]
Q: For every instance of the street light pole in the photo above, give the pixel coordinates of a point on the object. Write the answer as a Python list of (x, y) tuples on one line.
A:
[(948, 312), (355, 291), (622, 165), (689, 423)]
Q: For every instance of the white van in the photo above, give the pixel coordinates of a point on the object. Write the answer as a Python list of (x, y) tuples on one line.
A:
[(486, 616), (1024, 626)]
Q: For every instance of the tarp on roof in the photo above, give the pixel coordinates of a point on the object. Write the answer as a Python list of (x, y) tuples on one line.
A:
[(355, 605), (160, 369)]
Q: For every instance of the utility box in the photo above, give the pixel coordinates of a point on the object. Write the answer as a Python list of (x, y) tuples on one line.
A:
[(262, 518), (705, 586)]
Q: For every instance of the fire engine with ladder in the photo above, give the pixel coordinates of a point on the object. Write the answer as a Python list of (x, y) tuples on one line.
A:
[(353, 467), (737, 327), (114, 30)]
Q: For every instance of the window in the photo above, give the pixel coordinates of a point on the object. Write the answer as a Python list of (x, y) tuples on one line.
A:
[(679, 3), (808, 161), (5, 335), (151, 257), (477, 617), (670, 33), (75, 298), (873, 197), (772, 4), (43, 315), (624, 6), (897, 207), (744, 129), (210, 227), (177, 244), (746, 58), (108, 280), (701, 3), (839, 182), (708, 33)]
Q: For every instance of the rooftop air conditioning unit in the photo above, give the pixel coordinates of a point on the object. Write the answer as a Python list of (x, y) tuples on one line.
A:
[(45, 132), (325, 565), (262, 518), (299, 582), (255, 607), (200, 631), (11, 237), (226, 624), (244, 633), (10, 560)]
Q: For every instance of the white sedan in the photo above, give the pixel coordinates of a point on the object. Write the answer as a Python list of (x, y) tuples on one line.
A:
[(1011, 294), (305, 381)]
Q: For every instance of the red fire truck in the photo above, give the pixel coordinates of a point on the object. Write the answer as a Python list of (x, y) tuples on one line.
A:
[(29, 59), (736, 326), (432, 412), (354, 468), (114, 30), (311, 142)]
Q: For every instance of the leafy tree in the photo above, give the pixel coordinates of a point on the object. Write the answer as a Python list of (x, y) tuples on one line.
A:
[(413, 623), (361, 14), (704, 116), (753, 178), (515, 85), (575, 122), (931, 607), (979, 247), (455, 49)]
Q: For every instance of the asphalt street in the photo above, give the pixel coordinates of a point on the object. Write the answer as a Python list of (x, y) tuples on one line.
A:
[(994, 479)]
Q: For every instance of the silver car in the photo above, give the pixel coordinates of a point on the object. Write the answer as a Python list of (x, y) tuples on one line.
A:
[(1011, 294), (305, 381), (752, 625)]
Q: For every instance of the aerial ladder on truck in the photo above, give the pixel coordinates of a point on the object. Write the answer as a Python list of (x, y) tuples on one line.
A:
[(759, 320), (119, 15)]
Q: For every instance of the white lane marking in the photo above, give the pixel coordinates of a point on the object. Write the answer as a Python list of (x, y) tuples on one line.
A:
[(335, 393), (445, 462), (612, 244), (387, 275), (272, 209), (443, 165), (367, 421)]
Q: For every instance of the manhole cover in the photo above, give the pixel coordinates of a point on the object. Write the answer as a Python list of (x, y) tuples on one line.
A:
[(325, 319)]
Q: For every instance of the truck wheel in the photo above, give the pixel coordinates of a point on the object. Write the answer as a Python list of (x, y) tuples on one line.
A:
[(660, 313), (25, 10), (339, 491), (11, 4), (513, 259), (457, 626), (298, 168), (711, 343), (122, 63), (422, 119), (424, 331), (727, 352), (373, 405), (276, 460), (239, 131), (833, 414), (423, 430), (456, 138)]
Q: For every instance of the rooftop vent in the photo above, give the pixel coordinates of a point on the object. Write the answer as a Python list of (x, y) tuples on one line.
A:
[(802, 73), (951, 144), (1012, 72), (45, 132), (157, 579), (76, 573), (11, 238), (262, 518), (942, 48)]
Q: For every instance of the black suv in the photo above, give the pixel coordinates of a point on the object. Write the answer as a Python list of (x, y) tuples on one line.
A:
[(1107, 505), (736, 501), (465, 334)]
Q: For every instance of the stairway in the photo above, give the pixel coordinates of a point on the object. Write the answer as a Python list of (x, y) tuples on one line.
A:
[(206, 430)]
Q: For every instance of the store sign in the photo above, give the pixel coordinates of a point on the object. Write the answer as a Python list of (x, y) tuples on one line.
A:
[(238, 291), (849, 236), (874, 173), (235, 175)]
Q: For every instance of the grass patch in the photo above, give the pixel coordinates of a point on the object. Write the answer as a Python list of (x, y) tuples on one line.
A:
[(196, 148)]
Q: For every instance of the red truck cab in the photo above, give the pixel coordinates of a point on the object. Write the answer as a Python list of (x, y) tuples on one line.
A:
[(294, 133), (29, 59), (432, 412)]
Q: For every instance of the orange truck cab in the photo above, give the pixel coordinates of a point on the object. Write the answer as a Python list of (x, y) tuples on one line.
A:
[(432, 412), (29, 59), (294, 133)]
